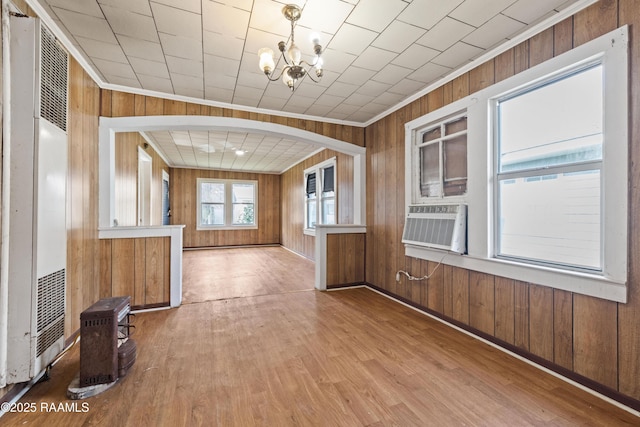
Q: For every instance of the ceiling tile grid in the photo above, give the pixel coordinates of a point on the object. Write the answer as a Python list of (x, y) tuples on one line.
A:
[(376, 53)]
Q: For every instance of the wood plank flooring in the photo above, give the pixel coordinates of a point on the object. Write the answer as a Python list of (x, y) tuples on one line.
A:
[(309, 358), (213, 274)]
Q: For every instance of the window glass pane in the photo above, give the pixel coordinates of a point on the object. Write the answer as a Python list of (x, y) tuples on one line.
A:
[(430, 170), (454, 126), (432, 135), (556, 124), (311, 213), (311, 184), (243, 214), (329, 211), (211, 214), (455, 166), (242, 193), (212, 192), (328, 179), (552, 218)]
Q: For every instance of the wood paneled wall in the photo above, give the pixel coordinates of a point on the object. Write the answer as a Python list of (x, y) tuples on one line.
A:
[(595, 340), (345, 259), (183, 196), (138, 267), (122, 104), (292, 190), (126, 179)]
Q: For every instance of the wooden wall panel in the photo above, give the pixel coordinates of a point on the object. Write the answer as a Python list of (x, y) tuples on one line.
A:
[(292, 196), (594, 338), (629, 314), (345, 259), (137, 267), (126, 179), (183, 196)]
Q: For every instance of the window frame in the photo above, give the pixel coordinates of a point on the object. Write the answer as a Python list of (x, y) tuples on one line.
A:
[(319, 169), (611, 283), (227, 204)]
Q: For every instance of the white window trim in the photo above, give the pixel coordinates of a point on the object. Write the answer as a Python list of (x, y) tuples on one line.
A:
[(317, 168), (612, 50), (228, 205)]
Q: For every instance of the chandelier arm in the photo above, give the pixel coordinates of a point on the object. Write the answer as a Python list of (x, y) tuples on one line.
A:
[(278, 76)]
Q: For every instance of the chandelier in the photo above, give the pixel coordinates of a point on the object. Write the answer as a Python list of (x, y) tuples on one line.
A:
[(295, 68)]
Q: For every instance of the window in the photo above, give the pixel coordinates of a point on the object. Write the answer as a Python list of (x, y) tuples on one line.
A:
[(549, 176), (320, 194), (546, 180), (442, 155), (227, 203)]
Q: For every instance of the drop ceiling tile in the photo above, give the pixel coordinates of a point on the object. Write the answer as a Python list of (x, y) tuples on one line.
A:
[(359, 99), (83, 7), (90, 27), (373, 88), (226, 20), (257, 39), (310, 89), (223, 45), (329, 100), (445, 34), (341, 89), (300, 103), (214, 65), (122, 81), (181, 47), (352, 39), (240, 4), (429, 72), (374, 58), (407, 87), (101, 50), (115, 68), (325, 15), (255, 80), (398, 37), (458, 54), (415, 56), (248, 93), (376, 15), (427, 13), (318, 110), (267, 16), (183, 66), (141, 48), (477, 12), (529, 12), (390, 98), (220, 82), (356, 76), (392, 74), (150, 68), (181, 82), (188, 5), (131, 24), (140, 7), (493, 32), (177, 21), (337, 61)]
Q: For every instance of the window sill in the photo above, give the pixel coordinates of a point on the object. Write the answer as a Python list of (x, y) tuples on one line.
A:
[(226, 227), (309, 232), (572, 281)]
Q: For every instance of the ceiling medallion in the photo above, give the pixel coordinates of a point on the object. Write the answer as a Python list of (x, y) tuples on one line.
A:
[(295, 68)]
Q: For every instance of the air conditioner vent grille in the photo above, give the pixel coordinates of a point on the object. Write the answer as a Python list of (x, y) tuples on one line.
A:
[(49, 336), (436, 226), (53, 80), (50, 298)]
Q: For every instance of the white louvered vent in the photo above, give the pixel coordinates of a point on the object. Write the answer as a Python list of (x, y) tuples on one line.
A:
[(50, 309), (53, 80), (437, 226)]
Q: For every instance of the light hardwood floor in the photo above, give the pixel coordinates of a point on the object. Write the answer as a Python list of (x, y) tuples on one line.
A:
[(309, 358)]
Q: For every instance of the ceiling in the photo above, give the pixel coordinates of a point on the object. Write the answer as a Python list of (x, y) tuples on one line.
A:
[(377, 54)]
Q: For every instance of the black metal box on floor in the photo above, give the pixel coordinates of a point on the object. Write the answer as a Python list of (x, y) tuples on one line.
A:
[(104, 327)]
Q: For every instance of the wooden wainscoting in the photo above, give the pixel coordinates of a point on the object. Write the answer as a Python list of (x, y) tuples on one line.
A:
[(345, 259), (138, 267)]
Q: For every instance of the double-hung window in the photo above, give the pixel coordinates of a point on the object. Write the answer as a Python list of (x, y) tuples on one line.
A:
[(549, 174), (227, 204), (320, 194)]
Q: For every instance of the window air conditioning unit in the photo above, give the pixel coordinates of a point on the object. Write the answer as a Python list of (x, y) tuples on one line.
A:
[(437, 226), (37, 244)]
